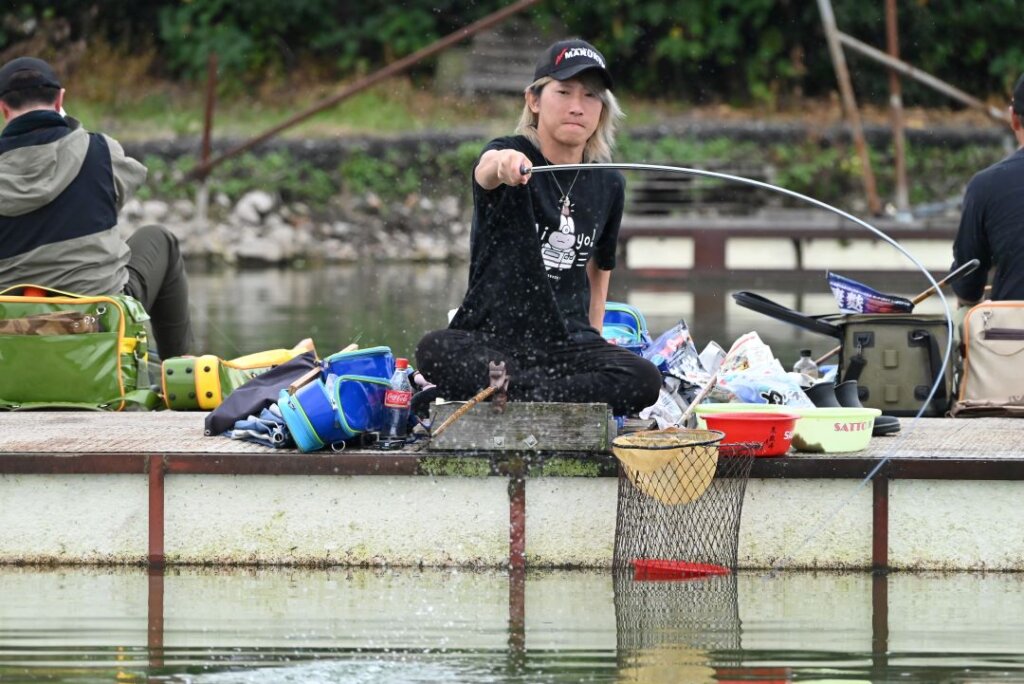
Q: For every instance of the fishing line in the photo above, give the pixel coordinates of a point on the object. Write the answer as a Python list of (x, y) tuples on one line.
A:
[(888, 454), (223, 335)]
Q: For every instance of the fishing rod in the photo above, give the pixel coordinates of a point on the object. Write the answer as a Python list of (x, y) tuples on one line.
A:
[(936, 287), (939, 377)]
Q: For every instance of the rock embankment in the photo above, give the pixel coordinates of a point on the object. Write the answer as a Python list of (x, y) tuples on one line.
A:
[(432, 223), (259, 229)]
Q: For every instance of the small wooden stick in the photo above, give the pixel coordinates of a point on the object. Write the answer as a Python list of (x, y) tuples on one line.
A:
[(498, 383), (461, 411), (304, 379), (712, 381), (699, 398), (312, 374)]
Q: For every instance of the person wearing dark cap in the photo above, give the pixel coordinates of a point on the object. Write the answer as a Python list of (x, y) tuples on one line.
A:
[(542, 248), (992, 222), (61, 189)]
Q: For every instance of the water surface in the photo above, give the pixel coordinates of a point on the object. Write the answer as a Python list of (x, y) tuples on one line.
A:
[(432, 625), (241, 311)]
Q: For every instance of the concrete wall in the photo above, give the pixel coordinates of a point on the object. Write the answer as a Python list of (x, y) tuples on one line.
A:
[(347, 520), (73, 519), (464, 521), (759, 253)]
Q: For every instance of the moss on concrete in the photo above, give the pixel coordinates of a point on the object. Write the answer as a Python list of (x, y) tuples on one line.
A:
[(455, 466), (567, 467)]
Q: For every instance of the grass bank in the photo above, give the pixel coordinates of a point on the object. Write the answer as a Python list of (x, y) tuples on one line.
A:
[(116, 94), (823, 167)]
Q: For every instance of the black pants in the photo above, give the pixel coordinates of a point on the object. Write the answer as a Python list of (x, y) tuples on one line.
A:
[(589, 369), (156, 277)]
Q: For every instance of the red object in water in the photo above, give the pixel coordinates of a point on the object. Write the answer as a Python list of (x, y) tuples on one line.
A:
[(657, 569), (33, 292), (773, 431)]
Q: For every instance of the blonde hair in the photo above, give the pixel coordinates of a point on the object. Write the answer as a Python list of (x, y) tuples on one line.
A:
[(602, 142)]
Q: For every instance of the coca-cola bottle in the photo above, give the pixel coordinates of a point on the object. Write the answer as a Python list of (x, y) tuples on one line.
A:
[(396, 408)]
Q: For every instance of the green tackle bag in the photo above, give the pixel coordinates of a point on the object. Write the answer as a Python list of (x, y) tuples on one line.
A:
[(62, 350), (895, 359)]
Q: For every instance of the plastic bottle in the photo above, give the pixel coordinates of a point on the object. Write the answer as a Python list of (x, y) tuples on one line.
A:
[(396, 408), (805, 364)]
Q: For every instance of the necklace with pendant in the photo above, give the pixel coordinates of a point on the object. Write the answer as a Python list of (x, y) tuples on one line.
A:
[(564, 201)]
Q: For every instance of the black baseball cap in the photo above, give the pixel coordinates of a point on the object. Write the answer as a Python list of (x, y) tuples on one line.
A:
[(566, 58), (1018, 96), (43, 75)]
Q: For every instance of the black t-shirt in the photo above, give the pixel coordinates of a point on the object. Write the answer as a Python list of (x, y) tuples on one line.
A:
[(528, 254), (992, 230)]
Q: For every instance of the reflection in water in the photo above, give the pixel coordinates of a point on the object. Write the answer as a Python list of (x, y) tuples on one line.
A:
[(238, 312), (408, 625), (668, 630)]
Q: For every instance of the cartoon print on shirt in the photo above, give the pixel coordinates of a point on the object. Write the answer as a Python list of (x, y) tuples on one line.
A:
[(558, 252), (561, 248)]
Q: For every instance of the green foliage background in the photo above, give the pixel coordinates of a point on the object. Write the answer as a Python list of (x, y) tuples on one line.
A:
[(756, 51), (829, 172)]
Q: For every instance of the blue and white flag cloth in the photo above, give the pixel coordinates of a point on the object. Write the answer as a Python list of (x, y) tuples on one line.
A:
[(854, 297)]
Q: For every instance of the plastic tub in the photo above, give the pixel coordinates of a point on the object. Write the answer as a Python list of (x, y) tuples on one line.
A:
[(771, 430), (833, 430), (703, 410), (816, 430)]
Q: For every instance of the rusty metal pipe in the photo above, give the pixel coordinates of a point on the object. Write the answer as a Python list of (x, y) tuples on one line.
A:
[(835, 49), (896, 105), (362, 84), (922, 77), (211, 98)]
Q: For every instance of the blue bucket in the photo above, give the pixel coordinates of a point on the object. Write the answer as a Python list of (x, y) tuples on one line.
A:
[(360, 403), (625, 326), (374, 362), (311, 417)]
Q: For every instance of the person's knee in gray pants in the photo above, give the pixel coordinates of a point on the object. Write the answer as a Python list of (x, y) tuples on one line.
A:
[(156, 277)]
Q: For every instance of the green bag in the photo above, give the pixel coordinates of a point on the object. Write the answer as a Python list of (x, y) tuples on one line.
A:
[(200, 383), (896, 359), (101, 366)]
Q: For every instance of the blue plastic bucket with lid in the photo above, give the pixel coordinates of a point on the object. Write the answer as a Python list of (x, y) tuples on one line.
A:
[(360, 403), (625, 326), (374, 362), (311, 416)]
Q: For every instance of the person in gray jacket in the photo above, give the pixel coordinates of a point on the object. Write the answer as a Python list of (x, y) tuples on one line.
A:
[(61, 188)]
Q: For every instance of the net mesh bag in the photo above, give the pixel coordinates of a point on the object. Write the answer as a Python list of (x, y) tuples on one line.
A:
[(679, 503)]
